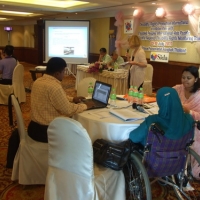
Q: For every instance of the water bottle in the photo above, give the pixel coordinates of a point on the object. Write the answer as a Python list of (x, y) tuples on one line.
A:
[(135, 95), (90, 90), (116, 66), (130, 95), (140, 97), (113, 98)]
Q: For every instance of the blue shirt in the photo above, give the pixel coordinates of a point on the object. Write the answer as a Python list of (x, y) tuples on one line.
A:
[(7, 66)]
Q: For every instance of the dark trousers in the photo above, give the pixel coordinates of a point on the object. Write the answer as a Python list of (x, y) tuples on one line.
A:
[(38, 132), (6, 81)]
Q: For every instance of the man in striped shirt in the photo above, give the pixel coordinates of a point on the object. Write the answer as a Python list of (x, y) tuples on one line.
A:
[(49, 100)]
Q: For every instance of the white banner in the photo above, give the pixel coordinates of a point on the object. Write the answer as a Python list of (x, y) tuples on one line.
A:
[(159, 57)]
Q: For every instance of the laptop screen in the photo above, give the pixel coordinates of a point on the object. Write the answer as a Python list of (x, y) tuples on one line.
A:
[(101, 92)]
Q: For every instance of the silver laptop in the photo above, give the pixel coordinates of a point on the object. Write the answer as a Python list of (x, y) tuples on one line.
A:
[(100, 95)]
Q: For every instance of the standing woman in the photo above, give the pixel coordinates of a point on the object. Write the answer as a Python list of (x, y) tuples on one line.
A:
[(189, 94), (137, 60)]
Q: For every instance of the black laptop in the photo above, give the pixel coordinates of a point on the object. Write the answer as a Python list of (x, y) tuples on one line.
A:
[(100, 95)]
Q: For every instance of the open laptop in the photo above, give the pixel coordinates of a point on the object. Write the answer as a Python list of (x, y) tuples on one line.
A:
[(100, 95)]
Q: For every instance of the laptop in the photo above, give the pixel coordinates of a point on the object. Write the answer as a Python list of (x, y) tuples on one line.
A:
[(101, 94)]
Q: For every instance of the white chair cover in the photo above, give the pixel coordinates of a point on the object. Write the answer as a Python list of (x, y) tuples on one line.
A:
[(17, 86), (147, 85), (31, 161), (18, 83), (82, 88), (72, 173)]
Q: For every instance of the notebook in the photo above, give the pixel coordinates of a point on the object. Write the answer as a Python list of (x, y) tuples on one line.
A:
[(101, 94)]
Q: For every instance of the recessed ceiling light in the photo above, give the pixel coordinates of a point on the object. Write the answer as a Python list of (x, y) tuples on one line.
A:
[(1, 18), (15, 12), (153, 3)]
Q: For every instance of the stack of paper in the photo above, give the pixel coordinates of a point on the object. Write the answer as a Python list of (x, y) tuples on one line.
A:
[(128, 115)]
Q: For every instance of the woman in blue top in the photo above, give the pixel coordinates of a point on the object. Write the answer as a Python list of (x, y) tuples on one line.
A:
[(170, 118)]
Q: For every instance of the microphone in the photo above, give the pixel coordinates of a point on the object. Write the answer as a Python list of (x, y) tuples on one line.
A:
[(138, 107)]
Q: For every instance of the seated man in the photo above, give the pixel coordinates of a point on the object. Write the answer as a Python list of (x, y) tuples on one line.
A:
[(7, 65), (104, 58), (116, 60), (49, 100)]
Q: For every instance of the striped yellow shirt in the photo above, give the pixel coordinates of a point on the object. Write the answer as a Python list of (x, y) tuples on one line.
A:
[(49, 100)]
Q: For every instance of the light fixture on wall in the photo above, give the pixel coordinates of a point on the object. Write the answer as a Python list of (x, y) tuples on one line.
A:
[(8, 29), (188, 9), (111, 33), (138, 13), (160, 12)]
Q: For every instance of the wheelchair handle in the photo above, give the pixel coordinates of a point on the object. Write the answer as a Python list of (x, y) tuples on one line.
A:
[(197, 122)]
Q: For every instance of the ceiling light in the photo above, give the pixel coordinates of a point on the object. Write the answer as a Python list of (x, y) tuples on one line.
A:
[(153, 3), (1, 18), (188, 9), (15, 12), (138, 13), (160, 12), (50, 3)]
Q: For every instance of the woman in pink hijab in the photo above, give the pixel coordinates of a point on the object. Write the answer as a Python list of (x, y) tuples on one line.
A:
[(189, 94)]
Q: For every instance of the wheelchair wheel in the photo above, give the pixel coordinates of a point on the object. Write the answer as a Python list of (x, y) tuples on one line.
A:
[(137, 181), (188, 180)]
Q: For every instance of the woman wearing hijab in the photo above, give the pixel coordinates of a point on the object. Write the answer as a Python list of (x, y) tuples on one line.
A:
[(170, 118)]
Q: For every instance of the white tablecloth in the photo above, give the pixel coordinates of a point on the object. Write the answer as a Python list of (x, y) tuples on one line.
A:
[(118, 79), (99, 123)]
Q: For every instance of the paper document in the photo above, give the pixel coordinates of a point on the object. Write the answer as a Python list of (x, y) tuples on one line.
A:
[(125, 63), (151, 108), (128, 115)]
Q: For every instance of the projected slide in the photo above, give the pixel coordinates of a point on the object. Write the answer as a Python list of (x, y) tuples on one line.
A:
[(68, 40)]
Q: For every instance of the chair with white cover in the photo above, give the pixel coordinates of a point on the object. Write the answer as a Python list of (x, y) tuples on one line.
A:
[(147, 85), (82, 88), (72, 173), (31, 160), (17, 86)]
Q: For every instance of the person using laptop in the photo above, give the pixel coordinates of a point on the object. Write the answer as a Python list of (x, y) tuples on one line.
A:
[(49, 100)]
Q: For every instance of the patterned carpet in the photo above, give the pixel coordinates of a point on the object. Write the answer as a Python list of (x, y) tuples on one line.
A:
[(12, 190)]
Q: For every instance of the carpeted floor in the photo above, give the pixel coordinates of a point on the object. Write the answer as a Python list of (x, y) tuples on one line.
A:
[(12, 190)]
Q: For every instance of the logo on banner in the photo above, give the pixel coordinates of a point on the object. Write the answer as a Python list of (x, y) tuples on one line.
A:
[(159, 57), (128, 26)]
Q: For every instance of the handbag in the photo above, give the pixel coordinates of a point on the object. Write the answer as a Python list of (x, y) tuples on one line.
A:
[(111, 155)]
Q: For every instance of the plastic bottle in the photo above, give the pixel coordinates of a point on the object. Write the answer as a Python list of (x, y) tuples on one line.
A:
[(130, 95), (140, 96), (116, 66), (90, 90), (135, 95), (113, 97)]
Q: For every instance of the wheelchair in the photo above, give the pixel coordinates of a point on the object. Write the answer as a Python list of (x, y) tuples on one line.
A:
[(164, 160)]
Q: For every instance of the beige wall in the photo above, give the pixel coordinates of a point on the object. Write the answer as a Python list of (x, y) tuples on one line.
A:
[(99, 34), (29, 36), (20, 36)]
